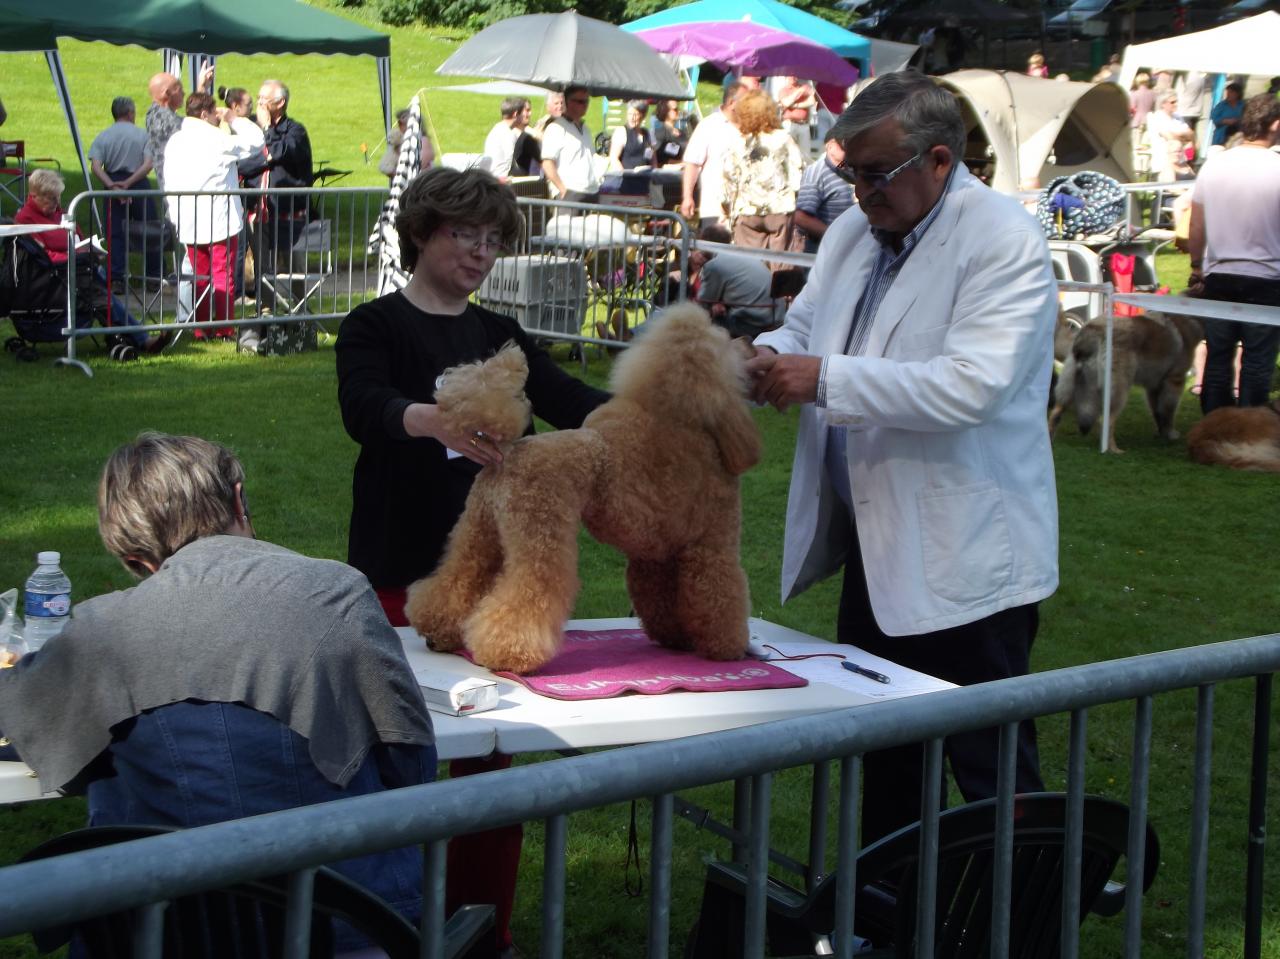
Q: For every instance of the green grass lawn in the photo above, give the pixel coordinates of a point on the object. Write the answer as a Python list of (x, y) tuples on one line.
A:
[(1156, 552)]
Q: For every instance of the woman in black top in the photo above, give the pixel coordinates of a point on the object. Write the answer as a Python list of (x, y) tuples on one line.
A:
[(408, 490), (669, 139), (413, 475), (630, 146)]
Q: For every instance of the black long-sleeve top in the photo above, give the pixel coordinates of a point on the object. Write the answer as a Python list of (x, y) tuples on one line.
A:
[(406, 494), (289, 147)]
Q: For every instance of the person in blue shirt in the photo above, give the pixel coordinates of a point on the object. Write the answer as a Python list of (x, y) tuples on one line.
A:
[(1226, 114)]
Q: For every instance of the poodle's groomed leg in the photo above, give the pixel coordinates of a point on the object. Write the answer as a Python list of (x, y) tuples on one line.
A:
[(439, 604), (713, 602), (653, 586), (519, 624)]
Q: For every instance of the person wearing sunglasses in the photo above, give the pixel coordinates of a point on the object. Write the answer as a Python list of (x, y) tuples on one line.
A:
[(920, 350), (413, 473)]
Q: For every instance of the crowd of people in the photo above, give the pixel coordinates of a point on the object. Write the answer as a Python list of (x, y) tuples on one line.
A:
[(918, 350), (195, 147)]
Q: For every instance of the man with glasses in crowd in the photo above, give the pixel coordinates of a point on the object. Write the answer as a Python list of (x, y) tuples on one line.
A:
[(278, 221), (569, 159), (921, 349)]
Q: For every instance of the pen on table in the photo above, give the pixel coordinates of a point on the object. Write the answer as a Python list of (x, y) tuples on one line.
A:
[(863, 671)]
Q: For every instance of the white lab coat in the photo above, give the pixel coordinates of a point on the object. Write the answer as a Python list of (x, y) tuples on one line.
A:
[(948, 454), (200, 156)]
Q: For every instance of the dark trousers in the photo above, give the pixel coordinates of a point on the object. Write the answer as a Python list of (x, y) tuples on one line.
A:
[(134, 214), (996, 647), (1260, 344)]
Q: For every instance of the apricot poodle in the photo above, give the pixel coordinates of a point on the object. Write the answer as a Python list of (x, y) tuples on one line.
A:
[(653, 472)]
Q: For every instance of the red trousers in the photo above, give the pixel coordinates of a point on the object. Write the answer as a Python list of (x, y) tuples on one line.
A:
[(214, 265), (482, 867)]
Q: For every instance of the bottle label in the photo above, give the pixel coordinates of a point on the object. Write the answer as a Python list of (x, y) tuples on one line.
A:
[(47, 604)]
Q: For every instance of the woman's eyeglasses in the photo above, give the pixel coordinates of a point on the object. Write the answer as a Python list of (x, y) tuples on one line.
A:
[(876, 181), (480, 242)]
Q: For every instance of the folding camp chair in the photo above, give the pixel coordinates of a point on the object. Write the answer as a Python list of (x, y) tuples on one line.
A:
[(300, 274), (247, 919), (799, 924)]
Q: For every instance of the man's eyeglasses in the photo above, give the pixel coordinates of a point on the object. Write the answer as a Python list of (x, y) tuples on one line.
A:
[(876, 181), (478, 242)]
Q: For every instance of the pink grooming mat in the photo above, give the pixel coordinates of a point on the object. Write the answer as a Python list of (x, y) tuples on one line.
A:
[(600, 663)]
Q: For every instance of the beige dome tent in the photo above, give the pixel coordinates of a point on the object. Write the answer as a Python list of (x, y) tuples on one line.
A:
[(1024, 131)]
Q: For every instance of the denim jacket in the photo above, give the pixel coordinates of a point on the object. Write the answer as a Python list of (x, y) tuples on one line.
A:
[(193, 763)]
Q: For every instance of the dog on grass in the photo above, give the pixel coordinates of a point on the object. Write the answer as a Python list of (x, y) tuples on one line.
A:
[(653, 472), (1241, 437), (1153, 351)]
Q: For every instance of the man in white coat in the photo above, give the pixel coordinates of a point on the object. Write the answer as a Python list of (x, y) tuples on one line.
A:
[(921, 350)]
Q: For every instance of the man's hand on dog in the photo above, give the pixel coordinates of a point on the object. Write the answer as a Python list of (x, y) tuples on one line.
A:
[(782, 380), (424, 419)]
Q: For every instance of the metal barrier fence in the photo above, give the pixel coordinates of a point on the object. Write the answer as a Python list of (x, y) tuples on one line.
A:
[(589, 273), (584, 273), (299, 256), (154, 870)]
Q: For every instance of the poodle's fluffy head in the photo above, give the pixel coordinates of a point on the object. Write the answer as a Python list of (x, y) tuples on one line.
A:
[(682, 362), (685, 370), (487, 396)]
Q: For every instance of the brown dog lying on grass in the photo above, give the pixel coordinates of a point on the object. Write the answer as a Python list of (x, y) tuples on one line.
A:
[(1152, 351), (653, 472), (1241, 437)]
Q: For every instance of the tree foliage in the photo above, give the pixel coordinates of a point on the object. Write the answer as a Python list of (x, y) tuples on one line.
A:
[(474, 14)]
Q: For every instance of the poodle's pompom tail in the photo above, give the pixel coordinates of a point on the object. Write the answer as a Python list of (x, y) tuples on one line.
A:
[(488, 396)]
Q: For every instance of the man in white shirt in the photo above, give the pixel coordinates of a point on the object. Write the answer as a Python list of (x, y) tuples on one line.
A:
[(569, 159), (704, 160), (500, 144), (1234, 243)]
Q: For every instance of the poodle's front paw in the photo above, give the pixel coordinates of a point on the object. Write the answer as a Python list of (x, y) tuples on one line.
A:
[(510, 642), (443, 640)]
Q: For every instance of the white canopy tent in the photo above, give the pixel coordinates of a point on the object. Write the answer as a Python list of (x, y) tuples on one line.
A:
[(1032, 130), (1246, 47)]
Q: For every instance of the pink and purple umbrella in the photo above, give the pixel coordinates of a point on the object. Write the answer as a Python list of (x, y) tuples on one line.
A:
[(750, 48)]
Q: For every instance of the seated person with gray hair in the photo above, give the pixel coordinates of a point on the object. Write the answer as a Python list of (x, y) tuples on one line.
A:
[(236, 678)]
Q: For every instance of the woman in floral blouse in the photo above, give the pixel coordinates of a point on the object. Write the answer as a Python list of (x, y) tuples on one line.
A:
[(761, 176)]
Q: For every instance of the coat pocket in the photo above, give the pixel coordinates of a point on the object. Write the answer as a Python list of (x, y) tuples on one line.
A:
[(965, 538), (926, 343)]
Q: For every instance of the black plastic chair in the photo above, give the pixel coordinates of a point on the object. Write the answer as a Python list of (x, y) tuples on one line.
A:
[(885, 912), (247, 920)]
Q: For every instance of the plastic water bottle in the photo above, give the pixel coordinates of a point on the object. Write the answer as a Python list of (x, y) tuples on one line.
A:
[(48, 600)]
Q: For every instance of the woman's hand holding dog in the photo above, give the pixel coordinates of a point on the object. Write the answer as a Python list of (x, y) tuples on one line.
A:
[(424, 419), (783, 379)]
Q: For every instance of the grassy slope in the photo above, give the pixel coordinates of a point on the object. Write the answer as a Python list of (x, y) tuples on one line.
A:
[(1156, 553)]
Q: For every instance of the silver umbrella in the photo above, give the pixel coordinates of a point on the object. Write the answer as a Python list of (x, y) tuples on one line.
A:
[(557, 50)]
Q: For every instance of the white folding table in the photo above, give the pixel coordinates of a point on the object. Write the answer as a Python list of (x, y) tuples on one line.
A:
[(524, 721)]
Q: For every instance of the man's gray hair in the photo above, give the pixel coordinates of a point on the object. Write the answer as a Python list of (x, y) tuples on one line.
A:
[(281, 90), (1165, 98), (122, 107), (928, 114)]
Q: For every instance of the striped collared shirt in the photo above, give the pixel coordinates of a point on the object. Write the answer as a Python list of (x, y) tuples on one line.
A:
[(883, 273)]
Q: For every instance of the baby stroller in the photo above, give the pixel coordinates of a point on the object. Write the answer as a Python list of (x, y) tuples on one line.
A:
[(33, 294)]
